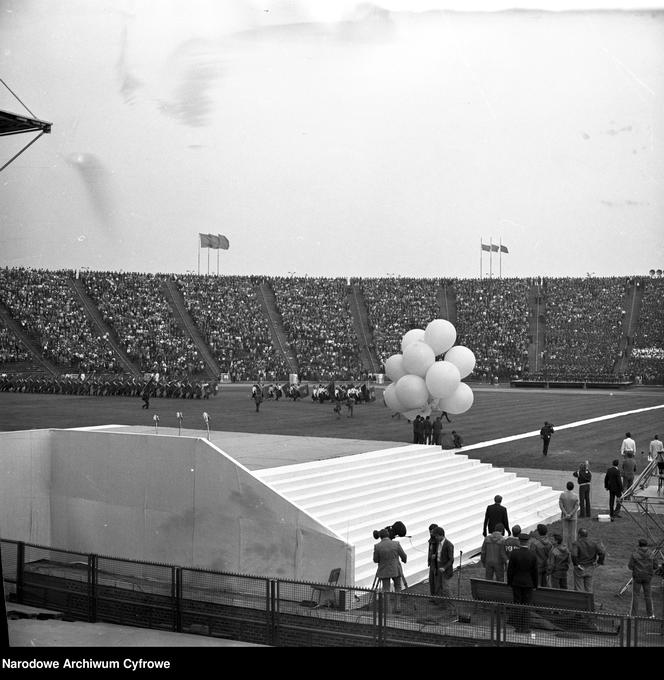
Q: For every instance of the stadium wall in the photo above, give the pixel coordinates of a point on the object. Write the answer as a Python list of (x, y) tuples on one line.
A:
[(159, 498), (25, 486)]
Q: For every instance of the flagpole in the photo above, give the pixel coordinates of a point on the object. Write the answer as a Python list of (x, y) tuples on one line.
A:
[(199, 254), (481, 251), (217, 261), (208, 261), (500, 259), (491, 257)]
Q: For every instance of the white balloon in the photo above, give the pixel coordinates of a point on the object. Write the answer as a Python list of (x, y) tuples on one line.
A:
[(460, 401), (390, 398), (440, 335), (411, 336), (462, 358), (418, 358), (442, 379), (412, 392), (394, 367)]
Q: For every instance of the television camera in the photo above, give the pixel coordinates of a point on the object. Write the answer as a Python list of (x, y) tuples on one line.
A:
[(396, 529)]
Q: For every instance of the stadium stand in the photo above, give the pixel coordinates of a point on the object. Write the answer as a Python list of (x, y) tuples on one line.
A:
[(134, 306), (230, 318), (318, 319), (395, 306), (492, 319), (593, 330), (42, 302), (646, 363), (584, 325)]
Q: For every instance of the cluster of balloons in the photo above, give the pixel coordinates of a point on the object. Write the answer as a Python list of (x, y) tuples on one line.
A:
[(427, 375)]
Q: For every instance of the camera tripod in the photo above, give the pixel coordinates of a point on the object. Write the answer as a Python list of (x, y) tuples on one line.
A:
[(374, 586)]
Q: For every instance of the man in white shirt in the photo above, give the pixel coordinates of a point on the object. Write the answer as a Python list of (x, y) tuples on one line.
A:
[(656, 447), (628, 444)]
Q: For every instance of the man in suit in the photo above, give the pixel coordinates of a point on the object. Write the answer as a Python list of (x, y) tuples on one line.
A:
[(522, 577), (495, 514), (545, 434), (441, 567), (387, 554), (613, 484)]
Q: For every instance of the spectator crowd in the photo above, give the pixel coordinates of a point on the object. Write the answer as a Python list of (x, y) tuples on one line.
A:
[(254, 325)]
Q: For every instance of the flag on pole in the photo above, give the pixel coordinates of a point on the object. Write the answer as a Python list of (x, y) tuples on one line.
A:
[(503, 249), (216, 241), (494, 248), (486, 246), (208, 240)]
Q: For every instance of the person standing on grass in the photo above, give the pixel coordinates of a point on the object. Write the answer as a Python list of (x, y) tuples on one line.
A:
[(387, 554), (628, 444), (541, 547), (628, 470), (654, 448), (642, 564), (545, 435), (493, 555), (442, 565), (512, 542), (559, 560), (495, 514), (569, 508), (522, 578), (613, 484), (587, 554), (584, 477), (437, 430), (431, 556)]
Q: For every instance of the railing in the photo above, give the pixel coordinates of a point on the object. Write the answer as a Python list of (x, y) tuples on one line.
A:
[(287, 355), (291, 613), (361, 319)]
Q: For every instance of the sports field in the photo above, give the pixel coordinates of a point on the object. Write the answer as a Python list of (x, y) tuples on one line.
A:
[(589, 424), (497, 413)]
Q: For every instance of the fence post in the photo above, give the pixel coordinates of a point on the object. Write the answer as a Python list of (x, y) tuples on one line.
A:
[(4, 625), (272, 613), (380, 615), (497, 621), (20, 571), (92, 588), (176, 594)]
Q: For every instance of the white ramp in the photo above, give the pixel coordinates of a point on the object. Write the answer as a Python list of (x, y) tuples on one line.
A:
[(414, 484)]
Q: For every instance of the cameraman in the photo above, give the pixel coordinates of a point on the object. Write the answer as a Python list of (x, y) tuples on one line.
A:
[(387, 554)]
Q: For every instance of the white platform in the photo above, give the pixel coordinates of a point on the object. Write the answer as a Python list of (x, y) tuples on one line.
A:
[(414, 484)]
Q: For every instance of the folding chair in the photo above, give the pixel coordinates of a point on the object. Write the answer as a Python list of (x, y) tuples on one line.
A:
[(330, 590)]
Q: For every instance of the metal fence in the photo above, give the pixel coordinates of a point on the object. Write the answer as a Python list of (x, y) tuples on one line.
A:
[(283, 612)]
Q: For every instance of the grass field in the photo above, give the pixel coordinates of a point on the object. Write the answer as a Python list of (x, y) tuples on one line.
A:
[(497, 413)]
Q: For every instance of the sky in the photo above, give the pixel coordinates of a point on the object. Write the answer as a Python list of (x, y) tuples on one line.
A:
[(335, 138)]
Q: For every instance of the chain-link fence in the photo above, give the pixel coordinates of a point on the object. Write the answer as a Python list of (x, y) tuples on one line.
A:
[(285, 612)]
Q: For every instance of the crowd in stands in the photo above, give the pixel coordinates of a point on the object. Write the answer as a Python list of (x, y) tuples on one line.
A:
[(45, 305), (318, 320), (584, 326), (134, 306), (228, 313), (646, 362), (12, 350), (395, 306), (492, 321), (583, 320)]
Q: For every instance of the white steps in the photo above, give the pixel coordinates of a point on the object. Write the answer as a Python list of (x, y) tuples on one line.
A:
[(414, 484)]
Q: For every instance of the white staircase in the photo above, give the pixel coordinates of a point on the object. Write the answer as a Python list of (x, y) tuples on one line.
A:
[(414, 484)]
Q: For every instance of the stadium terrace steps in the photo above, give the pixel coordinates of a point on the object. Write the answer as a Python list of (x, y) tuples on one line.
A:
[(175, 299), (417, 485)]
